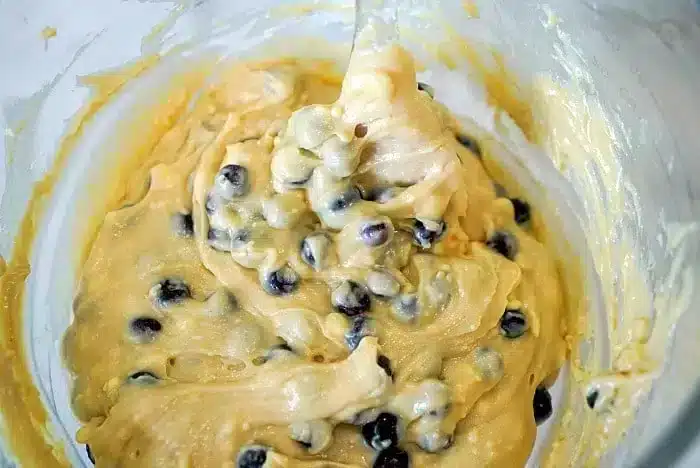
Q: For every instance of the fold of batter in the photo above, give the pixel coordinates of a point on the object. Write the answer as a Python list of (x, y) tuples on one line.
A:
[(318, 277)]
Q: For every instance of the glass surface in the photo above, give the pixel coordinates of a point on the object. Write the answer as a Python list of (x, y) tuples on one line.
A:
[(638, 58)]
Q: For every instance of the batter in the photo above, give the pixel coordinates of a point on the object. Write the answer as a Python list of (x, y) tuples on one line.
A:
[(321, 276)]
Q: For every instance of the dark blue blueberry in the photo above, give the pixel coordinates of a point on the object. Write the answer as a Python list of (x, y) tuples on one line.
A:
[(253, 456), (385, 363), (424, 237), (374, 234), (504, 243), (469, 143), (345, 199), (393, 457), (174, 290), (361, 327), (183, 224), (281, 282), (383, 432), (170, 291), (591, 398), (513, 323), (521, 210), (219, 240), (314, 248), (143, 378), (351, 298), (427, 89), (542, 405), (307, 254), (145, 329), (233, 181), (89, 454)]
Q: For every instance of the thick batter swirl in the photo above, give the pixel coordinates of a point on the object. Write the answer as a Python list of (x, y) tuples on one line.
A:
[(316, 280)]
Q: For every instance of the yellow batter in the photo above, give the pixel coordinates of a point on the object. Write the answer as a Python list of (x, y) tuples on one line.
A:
[(323, 277)]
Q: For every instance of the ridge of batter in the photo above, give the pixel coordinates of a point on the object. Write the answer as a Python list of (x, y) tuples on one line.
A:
[(317, 280)]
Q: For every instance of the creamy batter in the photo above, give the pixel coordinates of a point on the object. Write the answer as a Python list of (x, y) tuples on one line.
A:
[(321, 276)]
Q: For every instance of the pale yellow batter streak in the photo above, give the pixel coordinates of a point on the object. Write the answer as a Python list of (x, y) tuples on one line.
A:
[(218, 387)]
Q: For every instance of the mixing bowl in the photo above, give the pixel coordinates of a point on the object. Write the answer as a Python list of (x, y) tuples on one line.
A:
[(593, 106)]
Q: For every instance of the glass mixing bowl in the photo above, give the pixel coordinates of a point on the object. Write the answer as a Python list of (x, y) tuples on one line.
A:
[(629, 208)]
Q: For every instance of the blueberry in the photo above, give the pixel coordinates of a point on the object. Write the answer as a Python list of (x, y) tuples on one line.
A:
[(89, 454), (143, 378), (383, 194), (183, 225), (469, 143), (393, 457), (219, 240), (425, 237), (591, 398), (351, 298), (307, 253), (504, 243), (385, 363), (169, 291), (314, 248), (521, 210), (406, 307), (232, 181), (345, 199), (426, 88), (253, 456), (145, 329), (542, 405), (361, 327), (383, 432), (281, 282), (374, 234), (513, 323)]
